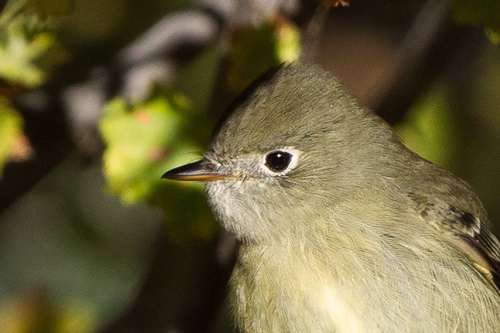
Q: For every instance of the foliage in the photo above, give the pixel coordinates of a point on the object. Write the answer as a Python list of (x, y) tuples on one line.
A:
[(11, 125), (29, 50), (432, 134), (144, 140), (27, 59)]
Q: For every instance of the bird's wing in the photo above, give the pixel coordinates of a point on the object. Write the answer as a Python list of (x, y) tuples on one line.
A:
[(469, 232)]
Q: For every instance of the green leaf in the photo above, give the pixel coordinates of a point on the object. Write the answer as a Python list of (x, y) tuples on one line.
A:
[(143, 141), (27, 57), (11, 125), (429, 127), (29, 50), (493, 35)]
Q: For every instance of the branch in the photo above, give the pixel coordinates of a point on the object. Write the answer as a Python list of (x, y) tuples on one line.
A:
[(427, 48)]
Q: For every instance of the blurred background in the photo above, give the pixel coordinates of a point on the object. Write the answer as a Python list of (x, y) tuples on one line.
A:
[(99, 98)]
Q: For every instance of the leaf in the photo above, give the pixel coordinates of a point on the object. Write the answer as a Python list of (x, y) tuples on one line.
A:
[(143, 141), (429, 127), (493, 35), (27, 58), (13, 143)]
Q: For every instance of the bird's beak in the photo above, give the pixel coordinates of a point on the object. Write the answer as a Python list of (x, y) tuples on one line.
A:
[(203, 171)]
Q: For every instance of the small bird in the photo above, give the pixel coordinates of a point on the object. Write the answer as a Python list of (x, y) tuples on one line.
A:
[(340, 227)]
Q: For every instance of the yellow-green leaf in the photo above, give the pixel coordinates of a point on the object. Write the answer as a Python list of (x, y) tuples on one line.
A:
[(144, 140), (11, 125)]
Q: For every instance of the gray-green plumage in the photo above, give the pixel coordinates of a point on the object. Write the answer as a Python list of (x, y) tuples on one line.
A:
[(358, 234)]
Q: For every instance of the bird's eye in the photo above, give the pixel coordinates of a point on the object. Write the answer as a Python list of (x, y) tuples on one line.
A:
[(278, 160)]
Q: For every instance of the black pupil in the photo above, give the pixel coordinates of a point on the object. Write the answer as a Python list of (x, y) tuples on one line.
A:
[(278, 160)]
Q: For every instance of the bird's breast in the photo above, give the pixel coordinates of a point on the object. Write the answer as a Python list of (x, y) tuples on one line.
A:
[(398, 286), (277, 295)]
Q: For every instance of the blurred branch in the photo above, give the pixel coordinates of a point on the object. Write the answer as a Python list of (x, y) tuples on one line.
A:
[(427, 48), (169, 44), (312, 34)]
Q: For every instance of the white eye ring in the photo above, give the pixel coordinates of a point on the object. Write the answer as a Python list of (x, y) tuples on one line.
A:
[(279, 162)]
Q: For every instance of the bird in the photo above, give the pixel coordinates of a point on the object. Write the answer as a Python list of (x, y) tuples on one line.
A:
[(340, 227)]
